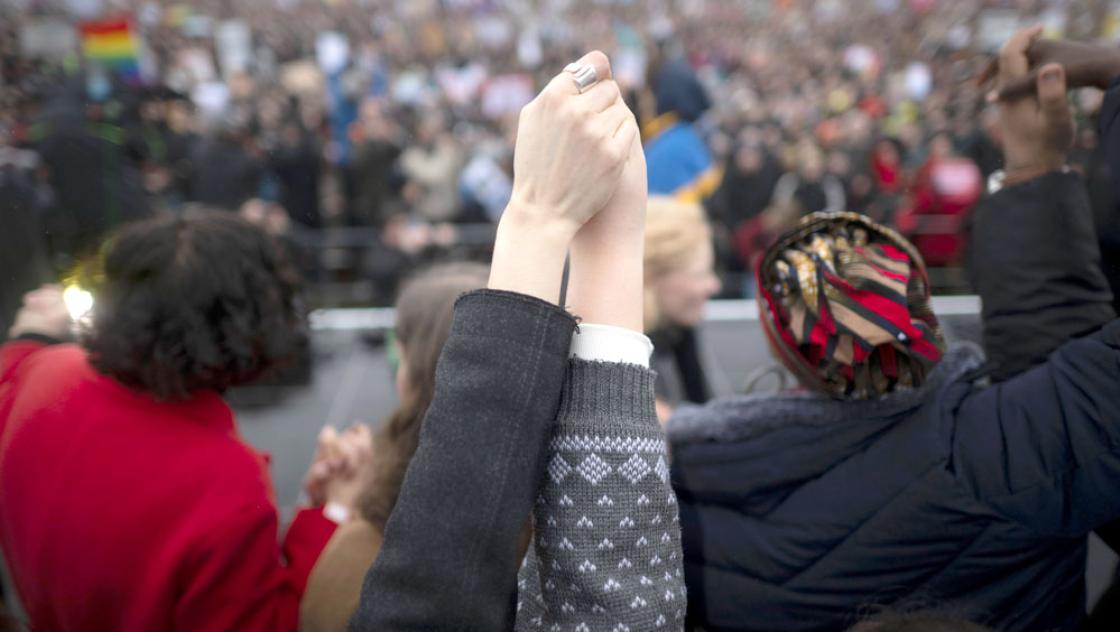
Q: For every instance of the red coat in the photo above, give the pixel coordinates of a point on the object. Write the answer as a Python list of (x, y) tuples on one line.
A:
[(942, 198), (118, 512)]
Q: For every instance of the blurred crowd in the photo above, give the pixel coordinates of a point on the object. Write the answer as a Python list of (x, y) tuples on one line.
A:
[(561, 455), (399, 116)]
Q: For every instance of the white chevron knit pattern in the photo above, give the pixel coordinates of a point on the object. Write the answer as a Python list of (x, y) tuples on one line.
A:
[(607, 540)]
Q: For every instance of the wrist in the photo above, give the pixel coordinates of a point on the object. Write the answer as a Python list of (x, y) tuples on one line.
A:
[(523, 221), (606, 280), (1018, 174), (527, 214), (529, 254)]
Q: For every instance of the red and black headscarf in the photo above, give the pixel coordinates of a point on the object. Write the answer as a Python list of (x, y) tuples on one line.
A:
[(845, 303)]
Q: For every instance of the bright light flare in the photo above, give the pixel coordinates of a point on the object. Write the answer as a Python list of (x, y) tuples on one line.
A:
[(78, 301)]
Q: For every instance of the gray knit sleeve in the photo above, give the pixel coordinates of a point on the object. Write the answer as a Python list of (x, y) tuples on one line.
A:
[(607, 552)]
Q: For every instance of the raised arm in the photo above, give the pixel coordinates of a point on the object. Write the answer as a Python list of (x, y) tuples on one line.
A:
[(449, 559), (1033, 254), (607, 552)]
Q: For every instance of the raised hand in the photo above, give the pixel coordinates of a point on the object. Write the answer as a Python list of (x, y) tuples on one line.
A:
[(340, 469), (1085, 65), (44, 313), (1038, 129), (346, 483), (571, 149), (605, 285), (569, 158), (328, 457)]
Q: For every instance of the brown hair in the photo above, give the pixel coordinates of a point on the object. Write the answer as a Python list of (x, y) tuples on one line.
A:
[(424, 314), (675, 230)]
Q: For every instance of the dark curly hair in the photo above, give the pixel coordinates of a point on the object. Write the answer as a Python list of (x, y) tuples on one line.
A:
[(189, 304)]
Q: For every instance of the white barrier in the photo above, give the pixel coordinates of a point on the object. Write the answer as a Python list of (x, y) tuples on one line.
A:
[(360, 319)]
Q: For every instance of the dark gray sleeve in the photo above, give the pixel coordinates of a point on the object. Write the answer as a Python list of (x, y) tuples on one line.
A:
[(1034, 261), (607, 535), (449, 560)]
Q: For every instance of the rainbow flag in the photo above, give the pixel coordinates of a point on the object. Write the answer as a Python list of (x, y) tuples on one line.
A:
[(113, 44)]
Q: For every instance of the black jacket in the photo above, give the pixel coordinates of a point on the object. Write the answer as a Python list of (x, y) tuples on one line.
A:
[(1033, 259), (449, 559)]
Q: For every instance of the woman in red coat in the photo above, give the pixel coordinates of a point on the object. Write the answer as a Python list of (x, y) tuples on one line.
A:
[(128, 501), (944, 192)]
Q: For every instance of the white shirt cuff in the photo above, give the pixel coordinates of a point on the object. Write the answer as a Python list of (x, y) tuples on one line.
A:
[(336, 513), (604, 343)]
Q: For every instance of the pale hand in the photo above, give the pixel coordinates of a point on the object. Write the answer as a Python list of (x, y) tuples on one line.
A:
[(571, 150), (605, 285), (328, 459), (44, 313), (347, 483), (570, 154)]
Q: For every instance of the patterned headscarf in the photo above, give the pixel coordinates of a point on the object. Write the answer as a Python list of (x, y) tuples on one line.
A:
[(845, 303)]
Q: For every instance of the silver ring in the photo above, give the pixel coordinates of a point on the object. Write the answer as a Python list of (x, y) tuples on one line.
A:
[(584, 75)]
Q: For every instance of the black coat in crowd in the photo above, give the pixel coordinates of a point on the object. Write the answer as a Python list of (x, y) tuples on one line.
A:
[(97, 186), (23, 257)]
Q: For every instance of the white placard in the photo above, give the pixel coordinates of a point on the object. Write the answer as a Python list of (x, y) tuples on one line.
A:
[(995, 27), (1054, 22), (332, 50), (919, 81), (52, 39), (234, 44), (211, 98), (85, 9)]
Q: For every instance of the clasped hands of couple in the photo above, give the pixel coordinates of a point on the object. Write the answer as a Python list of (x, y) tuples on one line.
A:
[(579, 184)]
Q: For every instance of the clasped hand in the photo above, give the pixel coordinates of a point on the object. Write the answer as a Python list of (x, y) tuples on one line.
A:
[(578, 156)]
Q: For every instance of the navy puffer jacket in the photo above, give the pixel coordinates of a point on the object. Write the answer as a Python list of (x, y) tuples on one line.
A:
[(799, 512)]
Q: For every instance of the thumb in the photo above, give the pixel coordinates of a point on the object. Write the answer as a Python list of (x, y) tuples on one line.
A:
[(1052, 93)]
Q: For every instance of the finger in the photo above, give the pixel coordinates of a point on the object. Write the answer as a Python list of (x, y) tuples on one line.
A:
[(1052, 95), (564, 84), (352, 456), (363, 432), (1013, 61), (328, 436), (600, 62), (610, 120), (318, 473), (629, 134), (43, 292), (328, 442), (34, 299), (631, 138), (991, 69), (600, 96), (1020, 88)]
